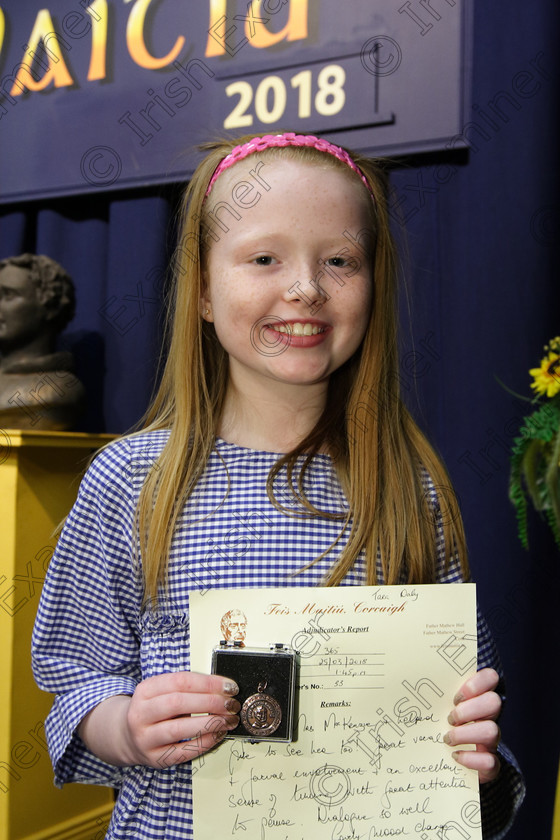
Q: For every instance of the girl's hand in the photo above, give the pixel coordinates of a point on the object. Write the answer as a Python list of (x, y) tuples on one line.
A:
[(155, 726), (160, 729), (473, 721)]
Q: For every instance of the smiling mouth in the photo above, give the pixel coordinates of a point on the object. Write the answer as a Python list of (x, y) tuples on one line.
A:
[(297, 328)]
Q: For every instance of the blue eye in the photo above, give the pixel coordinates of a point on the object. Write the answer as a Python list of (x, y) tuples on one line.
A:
[(337, 262), (264, 260)]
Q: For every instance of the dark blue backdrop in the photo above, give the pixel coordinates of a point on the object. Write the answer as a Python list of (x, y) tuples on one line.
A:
[(483, 254)]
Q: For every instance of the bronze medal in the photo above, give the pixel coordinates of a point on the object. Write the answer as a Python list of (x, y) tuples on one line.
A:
[(260, 714)]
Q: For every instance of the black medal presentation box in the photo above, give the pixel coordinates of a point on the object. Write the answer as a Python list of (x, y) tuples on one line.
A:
[(266, 678)]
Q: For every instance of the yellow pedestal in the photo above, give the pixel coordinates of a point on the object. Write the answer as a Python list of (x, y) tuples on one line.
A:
[(39, 478), (556, 821)]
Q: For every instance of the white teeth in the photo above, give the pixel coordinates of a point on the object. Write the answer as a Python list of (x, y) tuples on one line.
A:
[(298, 329)]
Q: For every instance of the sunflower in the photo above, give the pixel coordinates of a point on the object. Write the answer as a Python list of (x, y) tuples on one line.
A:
[(547, 376), (535, 459)]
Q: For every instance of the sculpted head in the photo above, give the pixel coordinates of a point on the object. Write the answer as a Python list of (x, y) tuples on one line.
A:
[(36, 297)]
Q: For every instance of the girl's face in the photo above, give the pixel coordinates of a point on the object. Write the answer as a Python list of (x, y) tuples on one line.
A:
[(288, 277)]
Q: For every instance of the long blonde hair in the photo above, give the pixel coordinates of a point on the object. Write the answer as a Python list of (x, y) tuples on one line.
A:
[(378, 450)]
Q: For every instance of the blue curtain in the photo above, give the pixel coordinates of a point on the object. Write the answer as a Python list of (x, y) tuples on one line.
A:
[(482, 242)]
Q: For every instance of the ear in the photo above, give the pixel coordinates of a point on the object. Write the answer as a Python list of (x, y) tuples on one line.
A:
[(50, 313), (50, 305), (205, 302)]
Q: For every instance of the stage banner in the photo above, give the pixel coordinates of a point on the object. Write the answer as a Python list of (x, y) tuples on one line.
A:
[(111, 94)]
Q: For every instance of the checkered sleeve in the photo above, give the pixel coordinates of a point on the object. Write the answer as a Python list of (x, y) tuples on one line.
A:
[(85, 644), (500, 800)]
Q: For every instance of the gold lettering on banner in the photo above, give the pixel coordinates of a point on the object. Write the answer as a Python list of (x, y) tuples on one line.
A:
[(99, 15), (225, 36), (57, 72), (44, 63), (257, 17), (216, 42), (136, 43)]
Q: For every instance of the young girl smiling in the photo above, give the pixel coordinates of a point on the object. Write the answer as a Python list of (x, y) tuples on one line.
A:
[(278, 413)]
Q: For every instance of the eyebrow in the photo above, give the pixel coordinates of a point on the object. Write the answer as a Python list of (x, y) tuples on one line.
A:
[(336, 243), (11, 288)]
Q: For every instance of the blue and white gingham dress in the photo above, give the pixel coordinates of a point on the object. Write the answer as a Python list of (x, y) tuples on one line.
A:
[(93, 640)]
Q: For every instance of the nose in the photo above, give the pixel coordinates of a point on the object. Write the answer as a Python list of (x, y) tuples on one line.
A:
[(307, 289)]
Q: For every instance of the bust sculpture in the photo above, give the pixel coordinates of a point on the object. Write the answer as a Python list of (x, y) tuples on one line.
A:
[(38, 389)]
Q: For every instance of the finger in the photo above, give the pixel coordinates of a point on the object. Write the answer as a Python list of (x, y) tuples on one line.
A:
[(483, 707), (178, 753), (187, 731), (486, 763), (484, 732), (485, 680), (187, 681), (168, 706)]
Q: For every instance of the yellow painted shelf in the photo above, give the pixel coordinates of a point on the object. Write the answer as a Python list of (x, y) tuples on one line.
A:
[(556, 821), (39, 478)]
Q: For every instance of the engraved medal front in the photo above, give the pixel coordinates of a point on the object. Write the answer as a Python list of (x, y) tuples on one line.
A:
[(260, 714)]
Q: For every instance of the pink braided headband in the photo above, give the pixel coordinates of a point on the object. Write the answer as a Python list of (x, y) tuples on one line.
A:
[(257, 144)]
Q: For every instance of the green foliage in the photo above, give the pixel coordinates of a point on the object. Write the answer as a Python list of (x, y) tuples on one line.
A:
[(534, 468)]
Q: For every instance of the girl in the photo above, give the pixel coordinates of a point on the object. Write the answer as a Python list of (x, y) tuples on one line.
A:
[(278, 417)]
